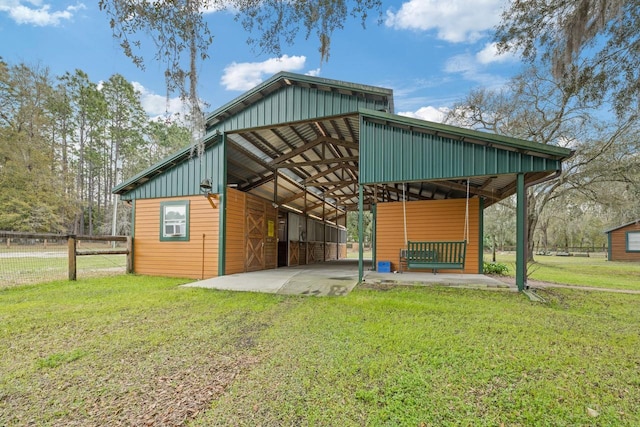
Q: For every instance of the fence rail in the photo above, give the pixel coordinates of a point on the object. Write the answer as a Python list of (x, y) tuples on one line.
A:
[(72, 242)]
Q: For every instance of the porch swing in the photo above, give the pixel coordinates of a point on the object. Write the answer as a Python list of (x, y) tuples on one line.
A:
[(434, 254)]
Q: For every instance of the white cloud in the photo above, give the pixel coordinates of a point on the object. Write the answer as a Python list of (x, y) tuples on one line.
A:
[(471, 69), (490, 55), (313, 73), (158, 105), (432, 114), (247, 75), (454, 20), (36, 13)]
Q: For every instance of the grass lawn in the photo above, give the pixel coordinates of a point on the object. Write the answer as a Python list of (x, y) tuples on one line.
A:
[(594, 271), (140, 350)]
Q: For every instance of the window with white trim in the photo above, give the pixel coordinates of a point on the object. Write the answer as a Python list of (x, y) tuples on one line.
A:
[(633, 241)]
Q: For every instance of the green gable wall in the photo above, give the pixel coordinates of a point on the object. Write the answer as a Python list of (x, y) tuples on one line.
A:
[(182, 178), (294, 104)]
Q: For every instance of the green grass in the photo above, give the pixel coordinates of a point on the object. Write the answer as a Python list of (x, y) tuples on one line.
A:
[(131, 350), (594, 271)]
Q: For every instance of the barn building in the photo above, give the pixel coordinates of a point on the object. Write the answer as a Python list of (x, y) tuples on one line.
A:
[(284, 163)]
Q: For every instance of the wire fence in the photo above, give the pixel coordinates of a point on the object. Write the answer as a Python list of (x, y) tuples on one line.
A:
[(37, 258)]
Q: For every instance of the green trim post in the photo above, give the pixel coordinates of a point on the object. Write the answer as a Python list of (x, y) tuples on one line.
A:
[(360, 233), (133, 235), (481, 237), (222, 206), (609, 246), (521, 228), (374, 218)]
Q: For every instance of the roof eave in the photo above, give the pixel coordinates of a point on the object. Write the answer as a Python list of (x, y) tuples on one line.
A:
[(622, 226)]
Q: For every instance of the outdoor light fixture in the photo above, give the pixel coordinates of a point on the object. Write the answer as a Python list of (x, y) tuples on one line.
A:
[(206, 187)]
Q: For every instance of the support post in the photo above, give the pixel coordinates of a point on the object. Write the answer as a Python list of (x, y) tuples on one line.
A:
[(481, 236), (374, 226), (222, 205), (360, 233), (129, 254), (521, 233), (71, 243), (324, 230)]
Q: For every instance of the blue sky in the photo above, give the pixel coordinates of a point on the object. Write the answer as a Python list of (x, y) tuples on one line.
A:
[(430, 52)]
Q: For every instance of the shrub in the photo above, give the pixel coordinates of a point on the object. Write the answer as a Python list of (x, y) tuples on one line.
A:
[(495, 268)]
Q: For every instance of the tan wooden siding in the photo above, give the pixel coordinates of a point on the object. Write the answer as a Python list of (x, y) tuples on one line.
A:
[(432, 220), (196, 259), (619, 244), (235, 226), (342, 250)]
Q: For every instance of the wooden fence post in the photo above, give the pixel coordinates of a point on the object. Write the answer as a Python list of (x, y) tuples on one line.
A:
[(129, 255), (71, 241)]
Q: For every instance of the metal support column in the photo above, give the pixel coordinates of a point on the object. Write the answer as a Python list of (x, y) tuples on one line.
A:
[(521, 233), (222, 205), (481, 236), (360, 233), (374, 226)]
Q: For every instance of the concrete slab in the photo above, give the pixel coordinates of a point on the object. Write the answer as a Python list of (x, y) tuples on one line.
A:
[(336, 278), (332, 281), (325, 279), (421, 279), (269, 281)]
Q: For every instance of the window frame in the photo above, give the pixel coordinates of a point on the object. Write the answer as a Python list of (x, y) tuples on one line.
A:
[(174, 238), (627, 248)]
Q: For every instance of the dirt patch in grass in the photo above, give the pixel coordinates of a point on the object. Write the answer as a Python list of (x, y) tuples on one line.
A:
[(122, 394), (378, 286), (169, 400)]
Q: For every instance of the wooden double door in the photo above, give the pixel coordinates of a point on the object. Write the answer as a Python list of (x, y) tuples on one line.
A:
[(260, 235)]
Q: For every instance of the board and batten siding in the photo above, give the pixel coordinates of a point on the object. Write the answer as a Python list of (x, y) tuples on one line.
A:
[(429, 220), (618, 244), (195, 259)]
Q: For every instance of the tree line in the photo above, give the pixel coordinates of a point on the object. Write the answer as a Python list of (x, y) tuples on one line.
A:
[(65, 142)]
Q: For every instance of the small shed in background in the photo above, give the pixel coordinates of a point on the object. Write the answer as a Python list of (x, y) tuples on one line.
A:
[(624, 242)]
